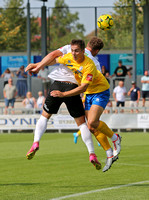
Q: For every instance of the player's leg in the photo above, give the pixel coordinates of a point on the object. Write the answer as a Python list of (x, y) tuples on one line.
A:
[(98, 127), (87, 139), (93, 113), (109, 151), (40, 128), (76, 110), (50, 107)]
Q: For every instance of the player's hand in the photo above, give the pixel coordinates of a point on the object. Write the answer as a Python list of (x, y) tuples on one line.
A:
[(57, 93), (32, 68)]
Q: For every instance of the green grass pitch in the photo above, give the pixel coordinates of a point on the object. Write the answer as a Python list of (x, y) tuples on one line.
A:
[(61, 168)]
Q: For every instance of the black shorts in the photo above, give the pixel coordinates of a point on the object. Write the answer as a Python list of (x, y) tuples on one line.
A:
[(122, 103), (145, 94), (74, 104)]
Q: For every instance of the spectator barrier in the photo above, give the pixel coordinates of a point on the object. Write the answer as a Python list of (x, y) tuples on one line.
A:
[(62, 122)]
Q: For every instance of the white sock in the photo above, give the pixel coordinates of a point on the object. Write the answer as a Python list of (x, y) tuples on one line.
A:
[(40, 128), (109, 152), (87, 137), (114, 137)]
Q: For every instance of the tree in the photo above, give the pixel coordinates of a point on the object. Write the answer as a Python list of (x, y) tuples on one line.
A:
[(13, 33), (12, 26), (120, 36), (64, 25)]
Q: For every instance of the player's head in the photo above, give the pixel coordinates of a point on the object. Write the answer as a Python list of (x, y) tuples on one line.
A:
[(95, 45), (77, 49)]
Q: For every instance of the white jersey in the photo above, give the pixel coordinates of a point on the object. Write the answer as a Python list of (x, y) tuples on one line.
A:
[(62, 73), (88, 53)]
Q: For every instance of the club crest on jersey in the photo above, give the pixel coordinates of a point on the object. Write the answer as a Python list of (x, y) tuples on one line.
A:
[(89, 77)]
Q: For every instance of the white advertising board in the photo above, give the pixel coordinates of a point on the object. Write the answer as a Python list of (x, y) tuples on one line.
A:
[(14, 122)]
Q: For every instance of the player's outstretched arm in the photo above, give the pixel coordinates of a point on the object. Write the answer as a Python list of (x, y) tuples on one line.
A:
[(47, 60)]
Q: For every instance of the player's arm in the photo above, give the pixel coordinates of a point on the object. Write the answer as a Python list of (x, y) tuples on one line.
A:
[(46, 61), (80, 89)]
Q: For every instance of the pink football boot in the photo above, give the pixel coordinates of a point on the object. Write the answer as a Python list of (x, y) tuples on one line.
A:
[(32, 150)]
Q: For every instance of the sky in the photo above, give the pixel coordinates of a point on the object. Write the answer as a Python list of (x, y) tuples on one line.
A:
[(50, 3), (86, 16)]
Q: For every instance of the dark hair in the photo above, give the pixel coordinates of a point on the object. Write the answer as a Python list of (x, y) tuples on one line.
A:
[(120, 61), (80, 43), (95, 43)]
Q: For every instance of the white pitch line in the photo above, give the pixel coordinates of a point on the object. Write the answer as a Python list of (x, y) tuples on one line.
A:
[(99, 190), (132, 164)]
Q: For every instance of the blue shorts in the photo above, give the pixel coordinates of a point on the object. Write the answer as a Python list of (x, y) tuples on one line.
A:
[(100, 99), (9, 101)]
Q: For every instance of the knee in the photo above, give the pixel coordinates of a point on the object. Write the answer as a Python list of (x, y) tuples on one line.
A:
[(92, 125)]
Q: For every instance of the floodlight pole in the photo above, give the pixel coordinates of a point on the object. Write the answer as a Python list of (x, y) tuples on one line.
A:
[(146, 34), (28, 44), (43, 31), (95, 21), (134, 38)]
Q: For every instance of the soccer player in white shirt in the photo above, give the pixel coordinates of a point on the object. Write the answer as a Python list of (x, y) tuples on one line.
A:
[(60, 74)]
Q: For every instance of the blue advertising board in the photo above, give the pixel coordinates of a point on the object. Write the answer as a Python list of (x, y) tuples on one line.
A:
[(127, 60), (37, 59), (104, 59), (13, 62)]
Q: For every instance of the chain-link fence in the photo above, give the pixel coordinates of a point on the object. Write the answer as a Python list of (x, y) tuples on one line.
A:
[(64, 24)]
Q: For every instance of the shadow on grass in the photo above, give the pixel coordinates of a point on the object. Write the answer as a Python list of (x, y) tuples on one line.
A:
[(19, 184)]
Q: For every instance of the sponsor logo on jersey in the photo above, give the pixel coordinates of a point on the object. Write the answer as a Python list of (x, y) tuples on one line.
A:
[(45, 107), (97, 99), (89, 77)]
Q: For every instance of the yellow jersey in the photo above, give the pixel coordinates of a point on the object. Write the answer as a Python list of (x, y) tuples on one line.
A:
[(86, 72)]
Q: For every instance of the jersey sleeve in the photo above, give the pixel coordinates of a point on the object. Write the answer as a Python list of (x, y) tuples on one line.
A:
[(62, 59), (97, 64), (65, 49), (89, 73)]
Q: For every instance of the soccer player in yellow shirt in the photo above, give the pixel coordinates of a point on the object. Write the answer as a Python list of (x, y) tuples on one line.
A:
[(87, 66), (96, 87)]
